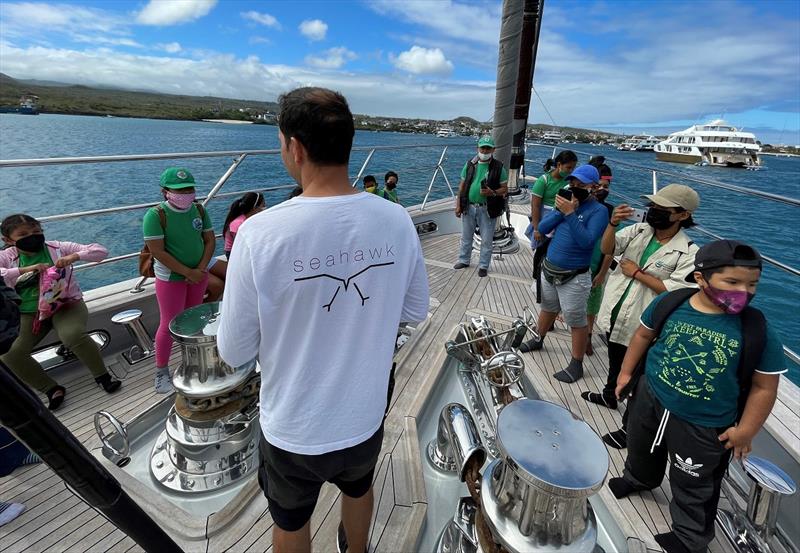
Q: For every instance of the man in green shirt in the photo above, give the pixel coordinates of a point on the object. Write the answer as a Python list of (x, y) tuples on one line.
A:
[(481, 199), (389, 191)]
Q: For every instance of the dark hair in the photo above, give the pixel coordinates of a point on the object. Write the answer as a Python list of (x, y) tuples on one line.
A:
[(321, 121), (604, 170), (242, 206), (688, 223), (369, 178), (563, 157), (13, 222), (390, 174), (597, 161), (296, 191)]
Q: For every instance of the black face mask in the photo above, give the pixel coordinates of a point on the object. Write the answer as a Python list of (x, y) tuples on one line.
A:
[(659, 219), (581, 194), (32, 243), (601, 194), (391, 185)]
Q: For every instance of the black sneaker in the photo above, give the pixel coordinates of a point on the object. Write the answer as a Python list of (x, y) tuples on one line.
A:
[(483, 272), (109, 384), (600, 399), (460, 265), (533, 344), (618, 439)]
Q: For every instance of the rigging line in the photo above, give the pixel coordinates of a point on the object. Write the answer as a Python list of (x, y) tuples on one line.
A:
[(544, 106)]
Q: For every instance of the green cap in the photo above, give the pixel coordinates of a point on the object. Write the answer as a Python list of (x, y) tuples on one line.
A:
[(176, 177), (486, 141)]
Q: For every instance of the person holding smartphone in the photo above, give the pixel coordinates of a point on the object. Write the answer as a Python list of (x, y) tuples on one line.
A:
[(481, 199), (655, 256), (578, 222)]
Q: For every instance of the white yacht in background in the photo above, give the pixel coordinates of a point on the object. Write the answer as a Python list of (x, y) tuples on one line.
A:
[(551, 137), (445, 132), (639, 143), (715, 143)]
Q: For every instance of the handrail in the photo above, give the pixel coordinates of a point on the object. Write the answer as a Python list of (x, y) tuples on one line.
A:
[(134, 207), (707, 182), (774, 262), (34, 162)]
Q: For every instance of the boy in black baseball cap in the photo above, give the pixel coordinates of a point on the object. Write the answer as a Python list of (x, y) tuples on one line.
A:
[(711, 368)]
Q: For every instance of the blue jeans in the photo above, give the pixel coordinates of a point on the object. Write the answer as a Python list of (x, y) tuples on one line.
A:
[(472, 217)]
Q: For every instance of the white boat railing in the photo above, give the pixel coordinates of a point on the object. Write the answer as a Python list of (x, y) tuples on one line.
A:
[(241, 155)]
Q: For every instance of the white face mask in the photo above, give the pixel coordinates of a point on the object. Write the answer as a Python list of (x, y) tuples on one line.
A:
[(484, 157)]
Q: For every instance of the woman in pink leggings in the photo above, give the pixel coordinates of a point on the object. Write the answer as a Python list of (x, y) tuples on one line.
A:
[(179, 234)]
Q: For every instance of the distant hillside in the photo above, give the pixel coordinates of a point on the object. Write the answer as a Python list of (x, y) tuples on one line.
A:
[(84, 100)]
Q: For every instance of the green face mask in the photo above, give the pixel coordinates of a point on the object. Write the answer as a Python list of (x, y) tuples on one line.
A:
[(563, 174)]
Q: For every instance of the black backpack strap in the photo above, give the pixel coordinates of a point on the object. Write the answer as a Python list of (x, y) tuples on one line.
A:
[(162, 217), (200, 209), (754, 341), (661, 313)]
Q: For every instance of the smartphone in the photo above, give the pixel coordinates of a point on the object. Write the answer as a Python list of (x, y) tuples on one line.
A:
[(565, 193), (484, 184), (639, 215)]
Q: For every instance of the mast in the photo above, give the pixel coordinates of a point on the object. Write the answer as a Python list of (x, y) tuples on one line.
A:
[(507, 68), (529, 46)]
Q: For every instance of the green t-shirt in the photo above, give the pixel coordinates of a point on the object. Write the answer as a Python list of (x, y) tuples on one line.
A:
[(481, 169), (546, 187), (182, 237), (387, 194), (28, 292), (651, 248), (692, 367)]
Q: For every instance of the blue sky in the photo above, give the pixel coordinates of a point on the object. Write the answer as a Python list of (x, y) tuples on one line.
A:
[(611, 64)]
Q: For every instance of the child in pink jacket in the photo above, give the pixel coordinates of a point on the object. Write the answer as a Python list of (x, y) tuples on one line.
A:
[(41, 273)]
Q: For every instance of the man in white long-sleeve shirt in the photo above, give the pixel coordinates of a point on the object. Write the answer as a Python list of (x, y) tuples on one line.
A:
[(317, 287)]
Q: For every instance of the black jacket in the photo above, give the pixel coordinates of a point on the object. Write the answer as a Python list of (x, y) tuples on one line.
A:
[(494, 204)]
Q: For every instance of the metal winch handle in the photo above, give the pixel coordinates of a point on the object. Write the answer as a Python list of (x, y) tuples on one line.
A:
[(120, 429), (507, 365)]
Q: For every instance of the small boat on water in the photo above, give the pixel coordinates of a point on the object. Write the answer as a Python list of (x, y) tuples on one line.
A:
[(445, 132), (715, 143), (28, 105), (551, 137)]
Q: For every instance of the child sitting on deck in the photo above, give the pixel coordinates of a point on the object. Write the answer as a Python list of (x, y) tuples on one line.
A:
[(711, 371), (241, 210), (41, 273)]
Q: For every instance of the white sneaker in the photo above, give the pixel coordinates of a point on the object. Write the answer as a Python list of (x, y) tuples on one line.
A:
[(163, 381)]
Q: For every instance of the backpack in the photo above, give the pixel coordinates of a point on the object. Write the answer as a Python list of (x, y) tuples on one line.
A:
[(146, 263), (754, 340)]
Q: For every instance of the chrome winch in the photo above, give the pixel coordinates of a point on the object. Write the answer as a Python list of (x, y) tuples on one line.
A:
[(212, 432), (533, 495)]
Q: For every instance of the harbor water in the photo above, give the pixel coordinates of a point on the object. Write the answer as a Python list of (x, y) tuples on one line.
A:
[(41, 191)]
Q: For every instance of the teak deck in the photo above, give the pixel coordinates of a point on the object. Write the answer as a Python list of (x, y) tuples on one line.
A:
[(57, 520)]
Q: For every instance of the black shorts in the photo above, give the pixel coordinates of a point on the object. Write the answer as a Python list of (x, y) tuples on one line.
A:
[(292, 481)]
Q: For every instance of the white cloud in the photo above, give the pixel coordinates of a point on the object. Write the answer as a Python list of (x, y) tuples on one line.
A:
[(257, 39), (108, 41), (174, 12), (170, 47), (25, 18), (262, 19), (333, 58), (474, 22), (313, 29), (423, 61)]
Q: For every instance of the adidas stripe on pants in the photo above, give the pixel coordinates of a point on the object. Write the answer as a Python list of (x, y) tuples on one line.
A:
[(697, 462)]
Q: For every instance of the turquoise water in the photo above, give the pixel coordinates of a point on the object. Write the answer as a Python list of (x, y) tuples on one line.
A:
[(41, 191)]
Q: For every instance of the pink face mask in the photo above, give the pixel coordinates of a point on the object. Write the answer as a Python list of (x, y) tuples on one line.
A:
[(180, 201), (731, 301)]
